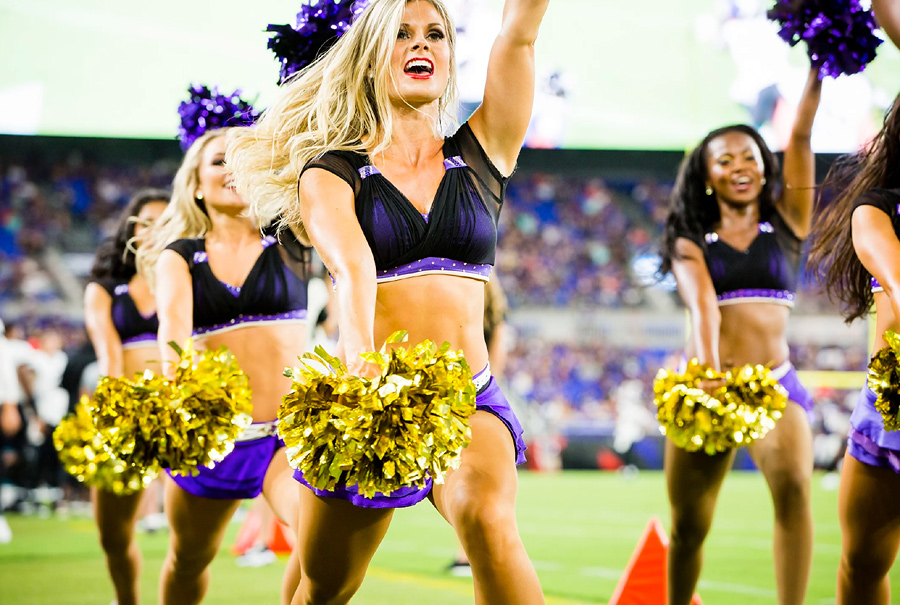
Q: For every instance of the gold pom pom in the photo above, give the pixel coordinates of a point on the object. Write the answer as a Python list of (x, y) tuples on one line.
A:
[(394, 431), (884, 381), (180, 425), (85, 456), (211, 406), (743, 410)]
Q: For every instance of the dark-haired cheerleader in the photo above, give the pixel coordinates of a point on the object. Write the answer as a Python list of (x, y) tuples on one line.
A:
[(732, 241), (856, 252), (120, 314)]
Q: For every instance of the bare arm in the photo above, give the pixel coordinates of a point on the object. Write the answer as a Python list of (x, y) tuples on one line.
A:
[(878, 249), (327, 210), (501, 121), (101, 331), (174, 306), (797, 199), (699, 295), (887, 13)]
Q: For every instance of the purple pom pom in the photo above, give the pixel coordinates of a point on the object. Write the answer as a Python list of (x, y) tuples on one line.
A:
[(208, 110), (838, 33), (319, 24)]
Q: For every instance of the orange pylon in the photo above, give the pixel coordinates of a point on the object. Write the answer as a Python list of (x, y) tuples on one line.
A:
[(281, 542), (644, 580)]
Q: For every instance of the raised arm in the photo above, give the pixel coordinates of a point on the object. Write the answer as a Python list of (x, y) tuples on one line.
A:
[(501, 121), (887, 14), (878, 249), (327, 211), (101, 331), (174, 307), (699, 295), (799, 193)]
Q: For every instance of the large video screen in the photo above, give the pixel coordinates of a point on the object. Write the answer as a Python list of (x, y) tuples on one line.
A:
[(611, 75)]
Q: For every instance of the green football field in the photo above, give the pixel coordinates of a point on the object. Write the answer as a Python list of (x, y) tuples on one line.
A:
[(579, 528)]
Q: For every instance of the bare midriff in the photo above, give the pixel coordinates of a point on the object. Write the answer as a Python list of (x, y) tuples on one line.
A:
[(263, 352), (440, 308), (136, 360), (753, 333)]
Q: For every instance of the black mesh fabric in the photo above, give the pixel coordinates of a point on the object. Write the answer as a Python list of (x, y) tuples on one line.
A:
[(276, 284), (462, 223)]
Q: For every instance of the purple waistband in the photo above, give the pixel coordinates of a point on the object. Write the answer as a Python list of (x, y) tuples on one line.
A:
[(434, 265), (780, 297), (242, 321), (141, 339)]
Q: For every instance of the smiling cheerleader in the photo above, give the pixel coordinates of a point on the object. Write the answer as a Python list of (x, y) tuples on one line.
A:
[(732, 241), (222, 281), (405, 218)]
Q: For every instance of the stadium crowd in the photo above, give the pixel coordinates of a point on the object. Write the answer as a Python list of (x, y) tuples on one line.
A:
[(566, 241)]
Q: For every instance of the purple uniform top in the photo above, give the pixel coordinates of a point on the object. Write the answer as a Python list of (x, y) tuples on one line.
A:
[(274, 291), (458, 235), (767, 271), (134, 328)]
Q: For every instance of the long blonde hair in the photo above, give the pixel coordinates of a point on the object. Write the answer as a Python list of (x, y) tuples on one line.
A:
[(184, 217), (339, 102)]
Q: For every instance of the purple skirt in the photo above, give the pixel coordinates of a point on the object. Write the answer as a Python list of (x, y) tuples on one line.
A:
[(238, 476), (491, 400), (796, 391), (868, 442)]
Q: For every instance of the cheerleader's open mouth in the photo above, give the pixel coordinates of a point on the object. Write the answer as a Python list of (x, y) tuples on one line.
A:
[(419, 68)]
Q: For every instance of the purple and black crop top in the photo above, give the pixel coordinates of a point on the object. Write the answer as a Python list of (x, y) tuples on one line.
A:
[(274, 291), (888, 201), (767, 271), (459, 234), (135, 329)]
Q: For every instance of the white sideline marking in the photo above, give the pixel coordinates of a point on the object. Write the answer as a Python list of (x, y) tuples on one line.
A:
[(609, 573), (736, 589)]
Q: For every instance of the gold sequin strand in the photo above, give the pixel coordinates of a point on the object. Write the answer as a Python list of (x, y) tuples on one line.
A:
[(742, 410), (393, 431), (884, 381), (86, 457)]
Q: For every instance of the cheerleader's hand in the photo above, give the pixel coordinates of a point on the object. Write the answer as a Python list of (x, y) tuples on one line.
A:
[(364, 369), (711, 387)]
